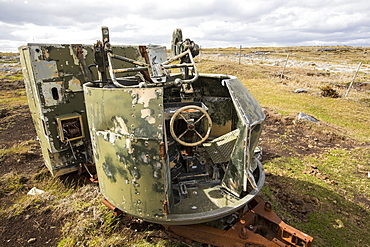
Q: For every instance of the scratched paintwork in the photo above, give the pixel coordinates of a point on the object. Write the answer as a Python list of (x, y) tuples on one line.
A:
[(127, 131)]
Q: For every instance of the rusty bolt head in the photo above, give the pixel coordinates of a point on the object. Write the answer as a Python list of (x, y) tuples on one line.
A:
[(268, 206)]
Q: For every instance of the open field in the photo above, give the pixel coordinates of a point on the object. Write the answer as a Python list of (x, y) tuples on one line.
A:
[(317, 173)]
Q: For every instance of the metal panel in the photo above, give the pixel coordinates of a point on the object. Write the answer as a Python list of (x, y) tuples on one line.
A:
[(126, 127), (249, 112)]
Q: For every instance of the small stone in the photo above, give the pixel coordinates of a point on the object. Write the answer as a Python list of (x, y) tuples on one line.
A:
[(300, 90), (307, 198), (31, 240), (303, 116)]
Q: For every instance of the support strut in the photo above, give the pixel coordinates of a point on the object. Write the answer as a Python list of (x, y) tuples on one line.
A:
[(259, 226)]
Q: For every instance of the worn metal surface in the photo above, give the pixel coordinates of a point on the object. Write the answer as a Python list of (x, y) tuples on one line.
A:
[(126, 127), (251, 118), (54, 76)]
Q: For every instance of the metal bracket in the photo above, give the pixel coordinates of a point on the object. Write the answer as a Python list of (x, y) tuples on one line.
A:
[(259, 226)]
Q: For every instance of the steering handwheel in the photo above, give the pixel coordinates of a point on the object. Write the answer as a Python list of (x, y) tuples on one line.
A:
[(190, 124)]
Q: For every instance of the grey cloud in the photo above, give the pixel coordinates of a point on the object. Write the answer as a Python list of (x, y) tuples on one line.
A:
[(46, 13), (230, 23)]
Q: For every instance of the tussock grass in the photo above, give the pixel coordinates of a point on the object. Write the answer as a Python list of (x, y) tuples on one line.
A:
[(331, 187), (338, 180), (21, 148)]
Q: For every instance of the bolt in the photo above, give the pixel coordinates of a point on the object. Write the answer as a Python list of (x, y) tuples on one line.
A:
[(243, 233), (268, 206)]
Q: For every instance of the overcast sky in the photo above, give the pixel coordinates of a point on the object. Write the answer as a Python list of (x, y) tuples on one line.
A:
[(210, 23)]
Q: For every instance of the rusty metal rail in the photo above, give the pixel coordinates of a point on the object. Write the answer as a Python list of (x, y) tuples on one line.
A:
[(259, 226)]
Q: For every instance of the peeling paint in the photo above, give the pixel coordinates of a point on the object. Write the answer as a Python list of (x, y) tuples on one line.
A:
[(157, 169), (75, 84), (52, 93), (120, 126), (108, 136), (146, 114), (46, 69), (84, 53), (144, 96), (130, 150), (145, 158)]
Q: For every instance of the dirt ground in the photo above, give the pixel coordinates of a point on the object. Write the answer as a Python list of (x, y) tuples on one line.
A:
[(32, 228), (304, 139)]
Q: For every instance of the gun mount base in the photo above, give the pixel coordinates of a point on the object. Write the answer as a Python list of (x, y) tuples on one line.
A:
[(257, 226)]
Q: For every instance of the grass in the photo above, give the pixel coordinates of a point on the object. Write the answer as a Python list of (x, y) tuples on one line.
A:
[(19, 148), (11, 183), (338, 219), (345, 113), (11, 76), (12, 99)]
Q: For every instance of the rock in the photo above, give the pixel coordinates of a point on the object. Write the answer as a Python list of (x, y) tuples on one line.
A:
[(303, 116), (6, 69), (31, 240), (300, 90), (35, 191)]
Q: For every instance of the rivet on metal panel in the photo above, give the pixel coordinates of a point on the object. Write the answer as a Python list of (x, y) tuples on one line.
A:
[(243, 233), (268, 206)]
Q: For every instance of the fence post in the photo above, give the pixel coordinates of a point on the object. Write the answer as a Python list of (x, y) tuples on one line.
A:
[(282, 72), (240, 53), (200, 53), (353, 79)]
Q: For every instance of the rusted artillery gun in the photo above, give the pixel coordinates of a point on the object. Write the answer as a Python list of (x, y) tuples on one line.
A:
[(170, 145)]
